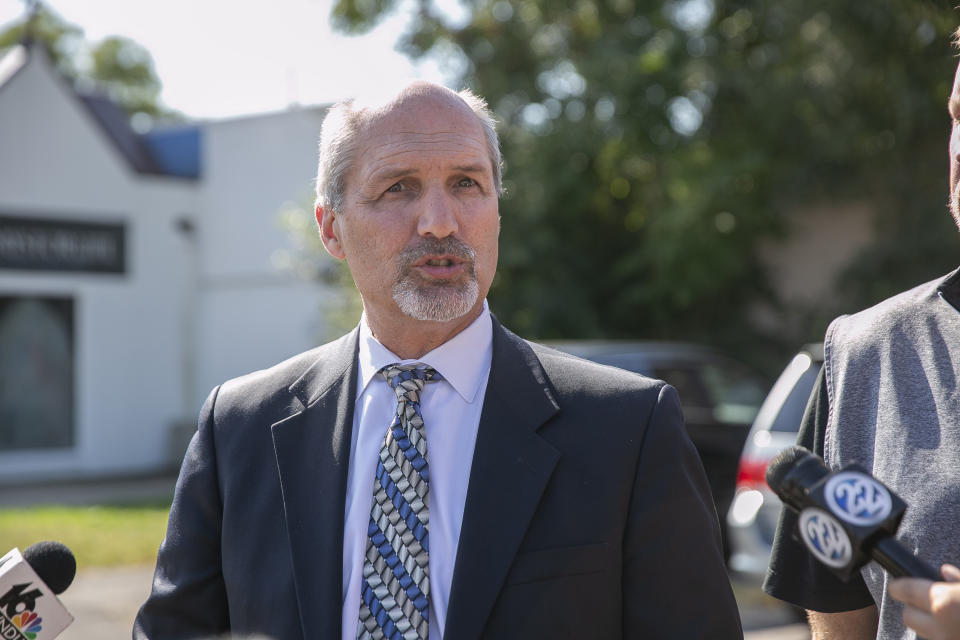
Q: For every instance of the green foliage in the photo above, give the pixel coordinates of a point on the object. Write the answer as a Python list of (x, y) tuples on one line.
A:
[(356, 16), (115, 66), (59, 39), (651, 146), (135, 531), (124, 70)]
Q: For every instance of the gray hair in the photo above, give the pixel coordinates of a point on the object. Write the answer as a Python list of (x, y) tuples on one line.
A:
[(338, 145)]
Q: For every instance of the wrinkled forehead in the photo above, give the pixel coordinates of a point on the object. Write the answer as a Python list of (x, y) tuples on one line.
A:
[(431, 119), (420, 108)]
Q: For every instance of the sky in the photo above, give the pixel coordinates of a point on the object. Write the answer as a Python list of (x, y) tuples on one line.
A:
[(222, 58)]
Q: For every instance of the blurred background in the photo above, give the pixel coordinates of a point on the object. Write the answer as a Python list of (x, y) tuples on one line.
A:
[(722, 177)]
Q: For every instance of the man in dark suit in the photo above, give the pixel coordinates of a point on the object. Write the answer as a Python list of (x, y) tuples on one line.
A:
[(558, 498)]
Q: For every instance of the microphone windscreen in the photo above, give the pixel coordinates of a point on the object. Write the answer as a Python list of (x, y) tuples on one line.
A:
[(54, 564), (782, 465)]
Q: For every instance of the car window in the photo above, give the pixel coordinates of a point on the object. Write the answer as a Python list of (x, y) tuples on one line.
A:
[(688, 383), (791, 412), (629, 361), (686, 379), (737, 392), (728, 391)]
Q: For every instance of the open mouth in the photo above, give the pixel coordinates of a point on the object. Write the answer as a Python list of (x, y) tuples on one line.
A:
[(440, 267), (442, 261)]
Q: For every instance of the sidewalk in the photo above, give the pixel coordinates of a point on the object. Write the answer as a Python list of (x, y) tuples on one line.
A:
[(104, 602)]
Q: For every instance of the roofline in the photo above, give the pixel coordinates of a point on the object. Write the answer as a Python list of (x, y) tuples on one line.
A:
[(218, 120), (26, 53), (13, 61)]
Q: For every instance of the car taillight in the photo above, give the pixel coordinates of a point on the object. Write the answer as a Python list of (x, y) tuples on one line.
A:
[(751, 473)]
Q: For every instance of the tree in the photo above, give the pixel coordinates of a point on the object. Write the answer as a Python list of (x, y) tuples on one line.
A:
[(61, 41), (124, 70), (651, 146), (115, 66)]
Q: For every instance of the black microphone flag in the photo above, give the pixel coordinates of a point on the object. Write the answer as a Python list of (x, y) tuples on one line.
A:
[(847, 517)]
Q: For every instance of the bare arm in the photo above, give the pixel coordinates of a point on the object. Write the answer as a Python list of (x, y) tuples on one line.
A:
[(860, 624)]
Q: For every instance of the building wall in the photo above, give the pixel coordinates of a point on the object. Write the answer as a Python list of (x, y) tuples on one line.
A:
[(56, 164), (253, 313), (822, 239), (201, 299), (821, 242)]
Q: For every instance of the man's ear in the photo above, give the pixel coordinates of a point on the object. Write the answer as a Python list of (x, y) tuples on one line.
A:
[(329, 233)]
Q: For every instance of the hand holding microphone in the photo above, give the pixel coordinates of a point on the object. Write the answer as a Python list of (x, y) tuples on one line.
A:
[(847, 517), (29, 584), (932, 608)]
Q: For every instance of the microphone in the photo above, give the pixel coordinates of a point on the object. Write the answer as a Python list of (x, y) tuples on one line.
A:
[(847, 517), (29, 584)]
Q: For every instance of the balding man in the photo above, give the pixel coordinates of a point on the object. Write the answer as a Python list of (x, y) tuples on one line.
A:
[(431, 474)]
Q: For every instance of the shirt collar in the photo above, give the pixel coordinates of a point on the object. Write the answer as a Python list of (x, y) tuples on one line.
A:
[(463, 360)]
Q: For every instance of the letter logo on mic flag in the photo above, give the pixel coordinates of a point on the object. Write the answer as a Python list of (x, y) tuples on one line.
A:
[(825, 538), (858, 498), (29, 610)]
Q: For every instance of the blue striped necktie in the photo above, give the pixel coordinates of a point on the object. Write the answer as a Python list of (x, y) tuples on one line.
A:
[(395, 593)]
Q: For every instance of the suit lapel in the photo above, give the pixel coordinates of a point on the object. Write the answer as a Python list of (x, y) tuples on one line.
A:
[(511, 467), (312, 447)]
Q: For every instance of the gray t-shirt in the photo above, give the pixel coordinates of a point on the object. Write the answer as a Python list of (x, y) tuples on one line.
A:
[(889, 399)]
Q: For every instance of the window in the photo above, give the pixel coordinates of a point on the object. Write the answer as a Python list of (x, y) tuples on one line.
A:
[(36, 372)]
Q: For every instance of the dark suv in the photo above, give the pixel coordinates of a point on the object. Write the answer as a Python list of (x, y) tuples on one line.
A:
[(720, 398)]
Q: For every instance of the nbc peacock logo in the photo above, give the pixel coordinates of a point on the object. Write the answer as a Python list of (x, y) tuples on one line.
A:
[(28, 623), (18, 617)]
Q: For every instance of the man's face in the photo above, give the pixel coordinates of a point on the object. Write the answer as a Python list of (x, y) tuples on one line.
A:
[(954, 106), (420, 222)]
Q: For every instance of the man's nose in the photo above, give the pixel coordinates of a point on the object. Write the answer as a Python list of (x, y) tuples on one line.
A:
[(438, 214)]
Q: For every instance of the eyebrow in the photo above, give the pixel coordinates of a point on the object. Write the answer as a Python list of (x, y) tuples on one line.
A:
[(393, 173), (474, 168)]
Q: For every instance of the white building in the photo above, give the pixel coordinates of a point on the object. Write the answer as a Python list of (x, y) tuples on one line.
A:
[(136, 272)]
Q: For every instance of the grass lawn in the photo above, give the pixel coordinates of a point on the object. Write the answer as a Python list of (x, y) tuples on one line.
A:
[(99, 536)]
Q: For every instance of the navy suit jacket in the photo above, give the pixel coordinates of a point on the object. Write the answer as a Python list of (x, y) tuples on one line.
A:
[(587, 514)]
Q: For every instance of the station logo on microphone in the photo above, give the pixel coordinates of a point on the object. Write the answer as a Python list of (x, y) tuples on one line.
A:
[(29, 610)]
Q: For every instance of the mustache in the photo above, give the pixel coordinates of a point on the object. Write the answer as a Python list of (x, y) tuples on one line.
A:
[(436, 246)]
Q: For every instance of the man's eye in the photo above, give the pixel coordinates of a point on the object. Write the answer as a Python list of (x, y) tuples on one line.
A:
[(395, 188), (467, 182)]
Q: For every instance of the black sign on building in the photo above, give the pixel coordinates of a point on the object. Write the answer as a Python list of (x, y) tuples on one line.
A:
[(42, 244)]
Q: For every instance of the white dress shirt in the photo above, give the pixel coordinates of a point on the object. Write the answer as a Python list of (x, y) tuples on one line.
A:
[(451, 415)]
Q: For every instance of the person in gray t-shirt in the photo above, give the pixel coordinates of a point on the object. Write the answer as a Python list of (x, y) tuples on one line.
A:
[(889, 398)]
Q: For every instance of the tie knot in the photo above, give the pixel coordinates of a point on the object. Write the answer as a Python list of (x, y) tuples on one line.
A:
[(407, 380)]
